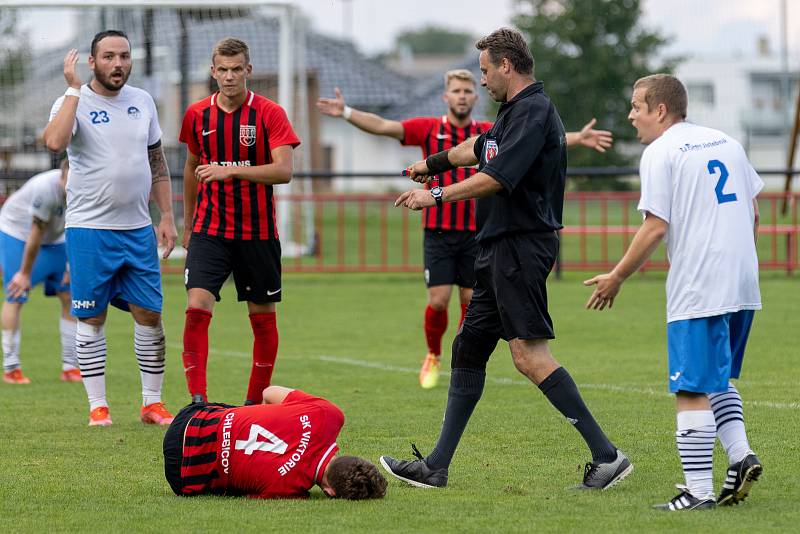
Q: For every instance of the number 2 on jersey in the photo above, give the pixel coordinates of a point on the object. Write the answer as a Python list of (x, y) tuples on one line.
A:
[(722, 198), (272, 444)]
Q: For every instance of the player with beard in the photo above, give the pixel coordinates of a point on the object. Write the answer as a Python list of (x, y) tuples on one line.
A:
[(449, 241), (112, 137)]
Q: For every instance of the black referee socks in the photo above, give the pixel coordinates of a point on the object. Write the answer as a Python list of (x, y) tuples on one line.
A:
[(561, 391), (466, 388)]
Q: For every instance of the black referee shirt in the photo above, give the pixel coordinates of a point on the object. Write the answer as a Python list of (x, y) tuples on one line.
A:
[(526, 152)]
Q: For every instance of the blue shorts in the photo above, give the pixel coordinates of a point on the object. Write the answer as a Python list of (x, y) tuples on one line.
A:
[(705, 353), (113, 266), (49, 267)]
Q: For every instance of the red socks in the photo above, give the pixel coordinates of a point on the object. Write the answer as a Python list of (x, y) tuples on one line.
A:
[(265, 350), (195, 350), (435, 325)]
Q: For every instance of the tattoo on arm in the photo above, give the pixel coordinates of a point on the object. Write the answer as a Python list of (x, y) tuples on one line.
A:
[(158, 164)]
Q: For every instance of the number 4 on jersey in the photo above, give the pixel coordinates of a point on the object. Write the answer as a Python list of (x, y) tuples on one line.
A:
[(272, 444), (722, 198)]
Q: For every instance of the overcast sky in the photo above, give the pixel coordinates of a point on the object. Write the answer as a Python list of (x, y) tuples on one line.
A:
[(706, 27)]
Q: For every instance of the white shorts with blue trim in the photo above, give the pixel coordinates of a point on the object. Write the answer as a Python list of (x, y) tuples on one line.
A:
[(705, 353), (49, 267), (117, 267)]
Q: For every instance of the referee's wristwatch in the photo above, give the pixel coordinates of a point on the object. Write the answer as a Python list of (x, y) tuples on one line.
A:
[(436, 193)]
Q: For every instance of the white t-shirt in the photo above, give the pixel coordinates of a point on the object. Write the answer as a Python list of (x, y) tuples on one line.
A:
[(110, 178), (42, 197), (700, 181)]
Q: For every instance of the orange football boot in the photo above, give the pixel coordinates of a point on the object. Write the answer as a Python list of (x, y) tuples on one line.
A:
[(156, 414), (99, 417), (15, 377)]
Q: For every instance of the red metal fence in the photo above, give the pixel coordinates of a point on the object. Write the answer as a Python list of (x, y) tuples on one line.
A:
[(366, 233)]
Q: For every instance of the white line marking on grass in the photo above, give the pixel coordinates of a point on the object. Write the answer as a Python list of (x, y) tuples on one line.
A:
[(510, 382), (495, 380)]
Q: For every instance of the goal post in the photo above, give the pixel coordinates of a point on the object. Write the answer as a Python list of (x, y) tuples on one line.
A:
[(171, 44)]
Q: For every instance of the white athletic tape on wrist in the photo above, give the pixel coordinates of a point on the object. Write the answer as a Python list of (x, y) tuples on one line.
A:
[(71, 91), (346, 112)]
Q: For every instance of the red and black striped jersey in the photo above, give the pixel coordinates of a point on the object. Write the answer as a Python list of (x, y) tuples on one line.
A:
[(263, 451), (434, 134), (234, 208)]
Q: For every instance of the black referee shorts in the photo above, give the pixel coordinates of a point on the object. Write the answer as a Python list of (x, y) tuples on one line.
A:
[(510, 297), (255, 265), (449, 257)]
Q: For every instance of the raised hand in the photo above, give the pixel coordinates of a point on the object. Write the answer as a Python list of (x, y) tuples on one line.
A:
[(332, 106), (70, 71), (599, 140)]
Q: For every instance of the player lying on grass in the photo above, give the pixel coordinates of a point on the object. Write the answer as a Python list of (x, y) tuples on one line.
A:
[(279, 449)]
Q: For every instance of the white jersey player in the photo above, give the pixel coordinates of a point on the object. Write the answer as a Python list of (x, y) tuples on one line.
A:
[(113, 141), (32, 251), (699, 195)]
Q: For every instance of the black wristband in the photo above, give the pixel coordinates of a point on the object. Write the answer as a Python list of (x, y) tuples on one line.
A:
[(438, 163)]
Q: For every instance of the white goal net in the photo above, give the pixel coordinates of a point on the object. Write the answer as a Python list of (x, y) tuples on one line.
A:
[(171, 46)]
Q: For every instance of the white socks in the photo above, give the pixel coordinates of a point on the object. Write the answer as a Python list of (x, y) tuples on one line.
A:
[(729, 416), (90, 349), (696, 435), (11, 349), (149, 346), (68, 358)]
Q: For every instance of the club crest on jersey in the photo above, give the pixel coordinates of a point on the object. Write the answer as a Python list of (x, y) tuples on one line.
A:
[(134, 113), (491, 149), (247, 135)]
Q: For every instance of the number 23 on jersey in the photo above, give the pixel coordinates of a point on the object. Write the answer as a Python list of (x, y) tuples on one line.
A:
[(99, 117)]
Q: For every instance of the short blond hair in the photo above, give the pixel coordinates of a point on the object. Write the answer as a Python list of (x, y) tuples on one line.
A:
[(664, 89), (230, 47), (458, 74)]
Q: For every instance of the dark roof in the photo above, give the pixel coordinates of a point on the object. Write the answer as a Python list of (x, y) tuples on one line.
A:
[(426, 100), (366, 83)]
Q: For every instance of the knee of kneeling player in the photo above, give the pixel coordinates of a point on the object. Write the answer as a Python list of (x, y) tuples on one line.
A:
[(472, 349)]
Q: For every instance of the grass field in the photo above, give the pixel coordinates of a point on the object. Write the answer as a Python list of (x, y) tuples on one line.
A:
[(357, 340)]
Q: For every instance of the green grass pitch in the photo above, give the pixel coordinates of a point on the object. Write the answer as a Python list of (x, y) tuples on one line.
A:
[(357, 340)]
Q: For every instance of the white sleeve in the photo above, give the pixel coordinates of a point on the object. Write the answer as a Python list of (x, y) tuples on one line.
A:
[(54, 110), (755, 183), (655, 173), (155, 130), (40, 206)]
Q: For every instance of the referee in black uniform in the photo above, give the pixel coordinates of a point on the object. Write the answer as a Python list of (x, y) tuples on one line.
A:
[(520, 190)]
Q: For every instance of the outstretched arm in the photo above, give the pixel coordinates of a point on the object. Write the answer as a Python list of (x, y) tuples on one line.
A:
[(643, 245), (599, 140), (368, 122)]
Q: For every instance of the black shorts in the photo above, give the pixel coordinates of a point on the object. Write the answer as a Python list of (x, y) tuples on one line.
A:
[(255, 265), (173, 444), (510, 297), (450, 257)]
